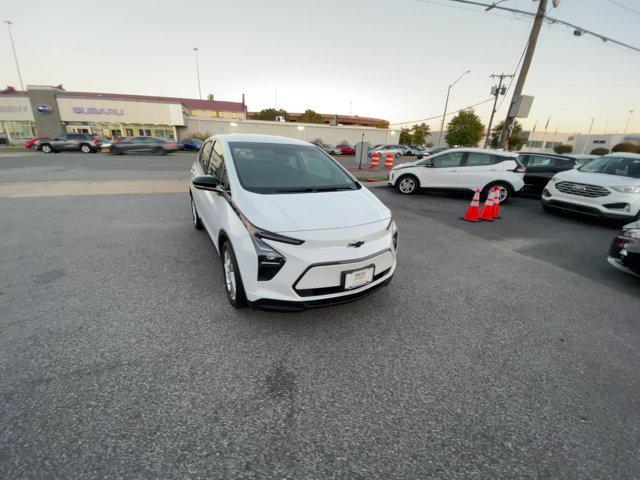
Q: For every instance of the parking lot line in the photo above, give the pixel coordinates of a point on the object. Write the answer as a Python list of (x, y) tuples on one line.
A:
[(74, 188)]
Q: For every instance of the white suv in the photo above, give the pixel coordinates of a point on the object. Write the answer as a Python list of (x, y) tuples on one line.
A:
[(606, 187), (395, 150), (462, 169), (293, 227)]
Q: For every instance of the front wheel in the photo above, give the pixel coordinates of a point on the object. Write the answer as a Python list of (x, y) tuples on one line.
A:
[(46, 149), (503, 190), (85, 148), (232, 280), (407, 184), (197, 223)]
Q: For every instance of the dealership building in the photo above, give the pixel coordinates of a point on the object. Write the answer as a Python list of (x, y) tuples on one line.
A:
[(50, 111)]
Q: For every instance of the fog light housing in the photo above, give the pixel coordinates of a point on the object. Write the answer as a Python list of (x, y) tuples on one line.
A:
[(546, 193), (625, 207)]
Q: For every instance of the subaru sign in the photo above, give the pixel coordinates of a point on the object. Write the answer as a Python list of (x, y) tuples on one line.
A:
[(42, 108), (98, 111)]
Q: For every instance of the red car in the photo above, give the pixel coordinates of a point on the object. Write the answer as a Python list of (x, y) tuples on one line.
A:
[(346, 149), (29, 144)]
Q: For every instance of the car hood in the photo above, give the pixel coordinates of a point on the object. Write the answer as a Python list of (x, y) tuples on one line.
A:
[(600, 179), (291, 212), (405, 165)]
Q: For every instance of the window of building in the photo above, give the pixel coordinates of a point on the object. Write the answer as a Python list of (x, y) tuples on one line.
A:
[(534, 143), (600, 142), (552, 144), (234, 115)]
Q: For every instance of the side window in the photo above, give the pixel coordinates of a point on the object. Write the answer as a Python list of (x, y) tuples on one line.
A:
[(216, 165), (61, 137), (563, 163), (479, 159), (205, 154), (540, 161), (448, 160), (524, 159)]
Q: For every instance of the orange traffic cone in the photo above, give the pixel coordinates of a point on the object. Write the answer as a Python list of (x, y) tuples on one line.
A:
[(487, 210), (473, 211), (375, 160), (496, 204), (388, 162)]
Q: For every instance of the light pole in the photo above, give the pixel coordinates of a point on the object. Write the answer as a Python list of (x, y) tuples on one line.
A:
[(195, 51), (301, 129), (593, 119), (446, 104), (351, 108), (628, 120), (13, 47)]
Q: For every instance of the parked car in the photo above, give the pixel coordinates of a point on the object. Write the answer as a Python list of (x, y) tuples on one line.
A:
[(541, 167), (31, 143), (3, 138), (434, 150), (325, 147), (608, 187), (190, 144), (293, 227), (462, 169), (145, 144), (414, 150), (346, 149), (396, 150), (83, 142), (624, 252)]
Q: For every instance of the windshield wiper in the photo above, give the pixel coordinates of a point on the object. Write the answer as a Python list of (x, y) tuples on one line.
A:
[(311, 189)]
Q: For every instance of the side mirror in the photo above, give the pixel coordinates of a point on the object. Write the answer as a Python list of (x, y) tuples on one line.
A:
[(207, 182)]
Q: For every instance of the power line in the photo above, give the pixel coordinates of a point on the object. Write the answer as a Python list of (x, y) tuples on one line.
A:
[(578, 31), (621, 5), (439, 116)]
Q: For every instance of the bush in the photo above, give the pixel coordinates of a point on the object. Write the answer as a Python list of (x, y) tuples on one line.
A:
[(625, 147), (599, 151), (318, 140), (562, 148)]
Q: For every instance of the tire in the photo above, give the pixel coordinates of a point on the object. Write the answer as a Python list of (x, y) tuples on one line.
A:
[(505, 191), (231, 276), (156, 151), (546, 209), (46, 148), (397, 155), (408, 184), (197, 223), (115, 151), (84, 148)]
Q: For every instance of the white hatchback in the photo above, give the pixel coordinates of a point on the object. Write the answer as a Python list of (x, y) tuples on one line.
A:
[(293, 227), (462, 169), (606, 187)]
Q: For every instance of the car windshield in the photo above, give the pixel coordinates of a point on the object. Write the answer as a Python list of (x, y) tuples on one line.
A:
[(612, 165), (272, 168)]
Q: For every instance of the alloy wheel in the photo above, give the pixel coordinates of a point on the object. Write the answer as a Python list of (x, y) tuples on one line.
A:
[(194, 213), (407, 185), (502, 193), (229, 275), (46, 149), (85, 149)]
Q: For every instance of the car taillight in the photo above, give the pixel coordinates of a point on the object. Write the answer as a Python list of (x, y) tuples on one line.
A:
[(622, 241), (170, 144)]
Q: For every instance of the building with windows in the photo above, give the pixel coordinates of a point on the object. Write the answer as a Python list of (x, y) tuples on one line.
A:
[(335, 119), (580, 143), (44, 110)]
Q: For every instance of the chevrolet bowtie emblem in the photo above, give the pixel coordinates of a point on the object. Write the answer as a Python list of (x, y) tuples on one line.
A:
[(357, 244)]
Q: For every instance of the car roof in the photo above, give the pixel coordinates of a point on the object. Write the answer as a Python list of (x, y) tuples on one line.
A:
[(257, 138), (623, 154), (503, 153)]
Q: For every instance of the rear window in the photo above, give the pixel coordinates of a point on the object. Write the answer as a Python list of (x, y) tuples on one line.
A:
[(272, 168)]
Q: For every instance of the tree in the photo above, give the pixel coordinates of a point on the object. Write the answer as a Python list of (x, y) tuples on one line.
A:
[(270, 114), (599, 151), (624, 147), (405, 136), (419, 134), (516, 141), (318, 140), (465, 129), (562, 148), (309, 116)]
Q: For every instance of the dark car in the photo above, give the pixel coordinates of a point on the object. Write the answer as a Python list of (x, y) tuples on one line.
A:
[(190, 144), (541, 167), (145, 144), (434, 150), (83, 142), (624, 252)]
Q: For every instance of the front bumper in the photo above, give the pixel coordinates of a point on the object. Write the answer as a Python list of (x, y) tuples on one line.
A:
[(314, 273), (595, 207)]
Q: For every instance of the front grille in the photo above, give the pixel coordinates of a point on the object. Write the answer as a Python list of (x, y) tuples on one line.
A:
[(582, 189)]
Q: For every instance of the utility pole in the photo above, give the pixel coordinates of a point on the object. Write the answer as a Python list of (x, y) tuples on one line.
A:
[(195, 51), (498, 91), (627, 124), (13, 47), (526, 63), (586, 140)]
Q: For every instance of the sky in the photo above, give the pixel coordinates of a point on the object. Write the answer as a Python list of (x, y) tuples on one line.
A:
[(390, 59)]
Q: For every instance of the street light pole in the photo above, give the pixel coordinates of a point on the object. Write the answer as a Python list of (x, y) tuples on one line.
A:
[(628, 120), (446, 104), (593, 119), (195, 51), (13, 47)]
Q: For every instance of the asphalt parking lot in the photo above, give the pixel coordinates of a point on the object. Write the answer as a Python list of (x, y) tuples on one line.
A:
[(499, 350)]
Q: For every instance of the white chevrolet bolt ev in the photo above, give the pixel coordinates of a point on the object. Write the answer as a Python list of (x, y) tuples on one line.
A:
[(606, 187), (293, 228), (466, 169)]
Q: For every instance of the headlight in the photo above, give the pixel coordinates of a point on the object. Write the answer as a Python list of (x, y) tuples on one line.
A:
[(270, 261), (393, 228), (627, 189), (631, 233)]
